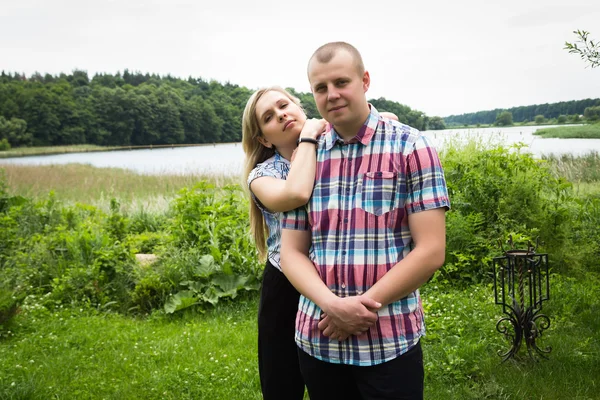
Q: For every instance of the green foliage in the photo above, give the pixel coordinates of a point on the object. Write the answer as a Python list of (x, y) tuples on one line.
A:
[(436, 123), (80, 254), (13, 132), (539, 119), (406, 115), (524, 113), (561, 119), (504, 118), (9, 306), (211, 248), (495, 193), (587, 131), (66, 252), (592, 113), (585, 48), (133, 109)]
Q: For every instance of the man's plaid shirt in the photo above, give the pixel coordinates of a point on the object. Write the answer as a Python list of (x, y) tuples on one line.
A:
[(358, 216)]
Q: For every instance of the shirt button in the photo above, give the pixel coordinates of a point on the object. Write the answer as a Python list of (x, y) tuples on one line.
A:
[(343, 252), (359, 292), (343, 285), (346, 220)]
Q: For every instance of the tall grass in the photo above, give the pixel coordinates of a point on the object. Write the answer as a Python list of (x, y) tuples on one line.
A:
[(571, 132), (96, 186), (576, 169)]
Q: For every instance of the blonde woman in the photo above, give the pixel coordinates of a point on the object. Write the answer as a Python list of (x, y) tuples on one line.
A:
[(273, 124)]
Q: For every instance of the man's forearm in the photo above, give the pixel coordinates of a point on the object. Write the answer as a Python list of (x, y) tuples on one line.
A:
[(408, 275), (302, 274)]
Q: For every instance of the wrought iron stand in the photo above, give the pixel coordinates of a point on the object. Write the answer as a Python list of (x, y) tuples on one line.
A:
[(521, 284)]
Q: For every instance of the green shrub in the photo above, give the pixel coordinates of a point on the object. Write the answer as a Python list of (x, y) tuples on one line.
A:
[(495, 192), (148, 242), (4, 145), (150, 291), (69, 252), (8, 307), (212, 255)]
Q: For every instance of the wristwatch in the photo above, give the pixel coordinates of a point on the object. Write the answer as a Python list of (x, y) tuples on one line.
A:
[(307, 140)]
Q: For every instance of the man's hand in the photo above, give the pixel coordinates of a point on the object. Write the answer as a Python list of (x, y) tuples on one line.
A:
[(331, 330), (349, 316)]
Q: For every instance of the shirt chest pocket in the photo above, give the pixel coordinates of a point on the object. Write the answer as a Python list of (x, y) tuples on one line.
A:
[(378, 192)]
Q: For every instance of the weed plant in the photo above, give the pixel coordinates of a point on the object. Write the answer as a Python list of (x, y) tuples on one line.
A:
[(588, 131)]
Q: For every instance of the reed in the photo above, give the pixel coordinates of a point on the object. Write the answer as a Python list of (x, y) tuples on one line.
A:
[(96, 186), (576, 169), (571, 132)]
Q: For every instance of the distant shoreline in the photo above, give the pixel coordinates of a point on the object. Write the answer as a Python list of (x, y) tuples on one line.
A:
[(54, 150)]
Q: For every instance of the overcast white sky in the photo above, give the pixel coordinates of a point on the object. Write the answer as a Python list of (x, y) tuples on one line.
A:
[(440, 57)]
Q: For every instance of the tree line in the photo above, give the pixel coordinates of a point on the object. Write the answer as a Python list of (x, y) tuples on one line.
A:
[(135, 109), (569, 109)]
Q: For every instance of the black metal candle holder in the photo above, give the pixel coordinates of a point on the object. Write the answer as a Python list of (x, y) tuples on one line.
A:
[(521, 284)]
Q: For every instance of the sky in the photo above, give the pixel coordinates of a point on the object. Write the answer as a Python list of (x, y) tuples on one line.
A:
[(438, 57)]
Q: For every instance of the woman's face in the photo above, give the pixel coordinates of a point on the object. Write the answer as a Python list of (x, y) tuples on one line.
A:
[(279, 119)]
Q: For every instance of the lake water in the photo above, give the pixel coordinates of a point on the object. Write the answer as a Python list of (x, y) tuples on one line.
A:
[(227, 158)]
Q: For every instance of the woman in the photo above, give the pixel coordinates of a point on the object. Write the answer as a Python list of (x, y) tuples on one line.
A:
[(273, 121), (275, 128)]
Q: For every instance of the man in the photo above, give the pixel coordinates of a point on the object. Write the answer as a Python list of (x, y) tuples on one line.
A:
[(360, 317)]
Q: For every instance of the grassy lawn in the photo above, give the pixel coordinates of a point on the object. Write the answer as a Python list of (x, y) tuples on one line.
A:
[(571, 132), (87, 354), (73, 354)]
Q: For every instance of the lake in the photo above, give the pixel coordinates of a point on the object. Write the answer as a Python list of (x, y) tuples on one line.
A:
[(227, 158)]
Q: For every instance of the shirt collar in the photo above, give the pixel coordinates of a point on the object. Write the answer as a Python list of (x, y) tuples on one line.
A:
[(363, 136)]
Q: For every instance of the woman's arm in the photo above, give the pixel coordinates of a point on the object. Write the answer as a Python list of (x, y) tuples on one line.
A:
[(279, 195)]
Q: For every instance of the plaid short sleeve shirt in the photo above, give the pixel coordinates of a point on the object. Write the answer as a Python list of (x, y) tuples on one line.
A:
[(358, 216)]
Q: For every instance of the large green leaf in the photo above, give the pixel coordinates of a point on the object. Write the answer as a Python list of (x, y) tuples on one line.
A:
[(180, 301)]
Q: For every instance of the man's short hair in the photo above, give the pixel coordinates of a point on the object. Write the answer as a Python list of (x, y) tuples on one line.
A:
[(325, 53)]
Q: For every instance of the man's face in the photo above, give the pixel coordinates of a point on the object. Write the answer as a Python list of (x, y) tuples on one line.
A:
[(339, 92)]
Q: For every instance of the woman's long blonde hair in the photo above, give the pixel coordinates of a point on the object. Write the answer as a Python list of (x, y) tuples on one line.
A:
[(255, 154)]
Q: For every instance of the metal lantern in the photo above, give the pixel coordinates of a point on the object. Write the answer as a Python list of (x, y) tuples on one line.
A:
[(521, 284)]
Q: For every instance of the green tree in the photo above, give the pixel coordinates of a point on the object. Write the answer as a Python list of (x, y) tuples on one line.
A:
[(586, 48), (592, 113), (539, 119), (561, 119), (504, 118), (14, 131), (200, 122), (436, 123)]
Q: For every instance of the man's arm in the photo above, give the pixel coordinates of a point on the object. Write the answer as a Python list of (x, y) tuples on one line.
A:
[(428, 231), (351, 315)]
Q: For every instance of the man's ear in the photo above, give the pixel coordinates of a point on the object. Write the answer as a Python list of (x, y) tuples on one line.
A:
[(366, 81), (265, 142)]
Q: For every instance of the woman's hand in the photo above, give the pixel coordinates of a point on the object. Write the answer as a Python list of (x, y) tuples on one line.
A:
[(313, 128), (389, 115)]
